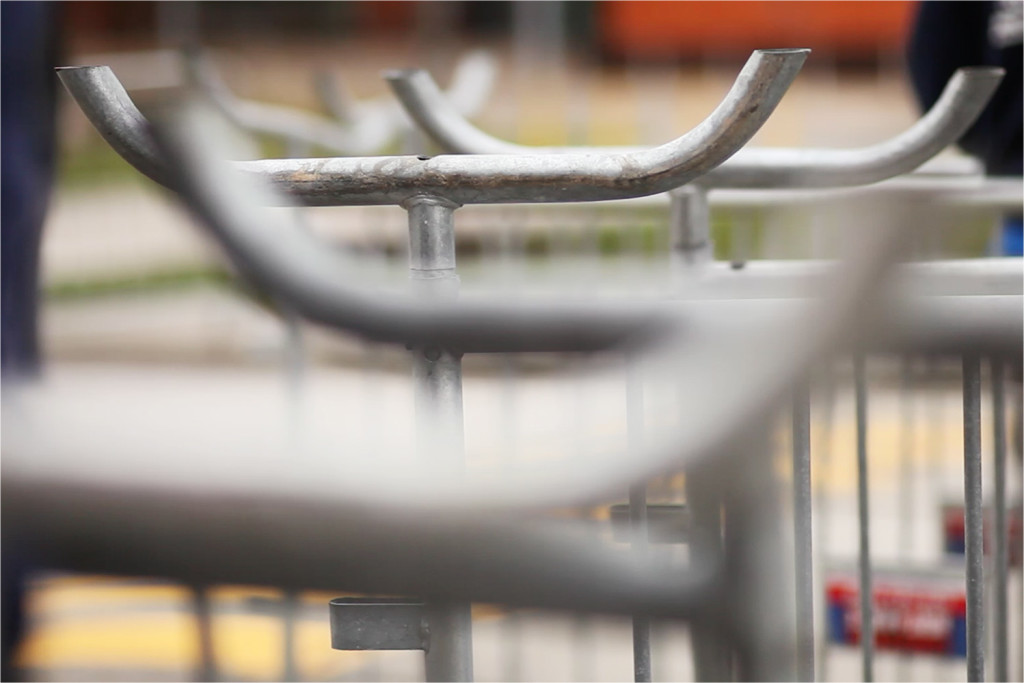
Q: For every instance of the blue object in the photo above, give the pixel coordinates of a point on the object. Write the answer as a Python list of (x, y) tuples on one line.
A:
[(958, 637), (28, 44), (1012, 237), (837, 624), (28, 91)]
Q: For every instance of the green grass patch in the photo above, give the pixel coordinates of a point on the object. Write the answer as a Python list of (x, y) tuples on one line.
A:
[(610, 241), (170, 279), (94, 164)]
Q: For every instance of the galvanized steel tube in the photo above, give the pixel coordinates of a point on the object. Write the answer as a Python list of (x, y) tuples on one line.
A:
[(867, 631), (1000, 597), (963, 99), (803, 558), (690, 226), (973, 520), (437, 375), (638, 515), (477, 179), (712, 659)]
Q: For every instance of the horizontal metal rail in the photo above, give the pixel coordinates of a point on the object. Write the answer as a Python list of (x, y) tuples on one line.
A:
[(766, 353), (307, 542), (1004, 193), (276, 254), (963, 99), (777, 279), (474, 179)]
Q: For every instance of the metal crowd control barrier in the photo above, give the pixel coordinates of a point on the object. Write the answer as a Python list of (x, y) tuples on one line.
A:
[(432, 250), (354, 127), (353, 533), (963, 99)]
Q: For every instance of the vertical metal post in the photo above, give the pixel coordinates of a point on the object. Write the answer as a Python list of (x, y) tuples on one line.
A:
[(761, 614), (973, 514), (584, 627), (690, 226), (512, 651), (512, 624), (905, 533), (295, 374), (823, 498), (867, 628), (437, 374), (803, 558), (295, 378), (291, 605), (206, 666), (539, 49), (638, 515), (641, 625), (178, 24), (583, 637), (691, 247), (712, 660), (1001, 598)]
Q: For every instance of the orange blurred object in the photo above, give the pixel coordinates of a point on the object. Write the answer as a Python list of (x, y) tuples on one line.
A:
[(668, 30)]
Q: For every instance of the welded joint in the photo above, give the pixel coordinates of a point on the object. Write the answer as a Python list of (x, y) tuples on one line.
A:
[(432, 244)]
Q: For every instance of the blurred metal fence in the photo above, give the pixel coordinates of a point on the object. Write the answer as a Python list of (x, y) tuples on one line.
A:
[(734, 340)]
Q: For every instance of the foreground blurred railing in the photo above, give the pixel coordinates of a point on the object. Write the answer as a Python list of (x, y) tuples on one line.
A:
[(452, 536)]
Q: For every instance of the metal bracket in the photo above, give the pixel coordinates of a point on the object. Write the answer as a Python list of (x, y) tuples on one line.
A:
[(378, 624)]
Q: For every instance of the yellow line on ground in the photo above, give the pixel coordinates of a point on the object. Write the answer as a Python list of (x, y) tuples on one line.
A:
[(245, 646)]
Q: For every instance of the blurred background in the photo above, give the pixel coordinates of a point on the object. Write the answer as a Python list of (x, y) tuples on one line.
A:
[(134, 300)]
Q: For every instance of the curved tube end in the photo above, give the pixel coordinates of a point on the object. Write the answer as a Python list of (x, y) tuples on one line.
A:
[(780, 66), (335, 98), (754, 95), (969, 89), (403, 75), (965, 96), (786, 54), (74, 77), (783, 50), (111, 111), (439, 118), (977, 74)]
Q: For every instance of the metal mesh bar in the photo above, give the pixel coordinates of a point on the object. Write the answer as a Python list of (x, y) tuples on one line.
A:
[(1000, 597), (867, 630), (803, 557), (973, 520), (638, 518)]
